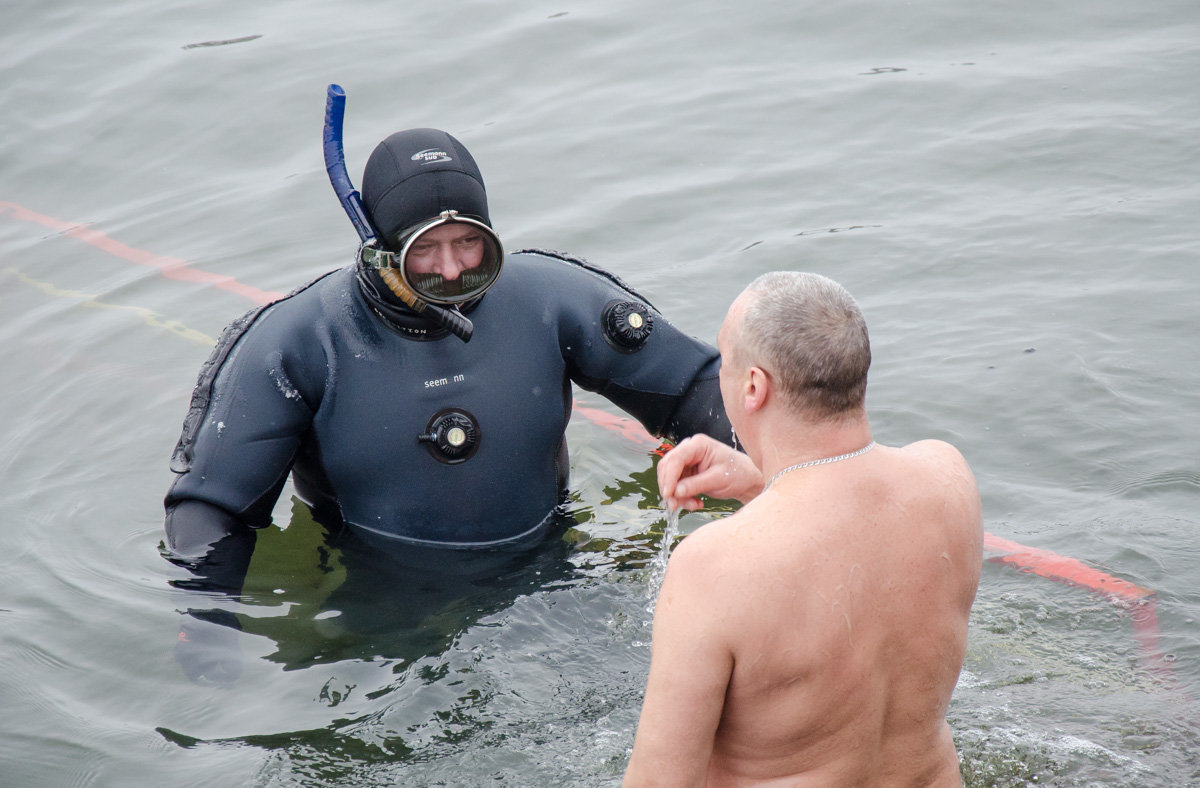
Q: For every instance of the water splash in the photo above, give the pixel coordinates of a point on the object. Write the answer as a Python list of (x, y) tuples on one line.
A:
[(658, 569)]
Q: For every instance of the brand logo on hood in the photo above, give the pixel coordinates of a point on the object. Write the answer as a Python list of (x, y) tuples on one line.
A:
[(431, 156)]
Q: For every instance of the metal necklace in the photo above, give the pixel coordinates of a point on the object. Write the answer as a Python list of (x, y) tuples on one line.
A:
[(822, 461)]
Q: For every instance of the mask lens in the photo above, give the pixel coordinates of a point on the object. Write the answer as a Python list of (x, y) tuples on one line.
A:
[(451, 260)]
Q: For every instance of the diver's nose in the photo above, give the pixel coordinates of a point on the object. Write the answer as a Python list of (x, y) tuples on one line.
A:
[(448, 266)]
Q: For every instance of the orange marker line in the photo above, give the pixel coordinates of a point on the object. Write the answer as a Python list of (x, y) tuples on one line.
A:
[(627, 428), (170, 267), (1067, 570)]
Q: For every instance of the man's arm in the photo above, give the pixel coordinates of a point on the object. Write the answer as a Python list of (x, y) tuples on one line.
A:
[(699, 466), (656, 373), (215, 547), (700, 410), (690, 667), (233, 457), (211, 543), (254, 399)]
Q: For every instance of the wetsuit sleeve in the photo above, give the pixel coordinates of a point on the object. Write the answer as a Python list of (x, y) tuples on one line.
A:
[(216, 550), (211, 544), (701, 410), (668, 382), (240, 437)]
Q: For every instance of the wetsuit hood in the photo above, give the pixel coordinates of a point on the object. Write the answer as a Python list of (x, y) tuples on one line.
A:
[(414, 175)]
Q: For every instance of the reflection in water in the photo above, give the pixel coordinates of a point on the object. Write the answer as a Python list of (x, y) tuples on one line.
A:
[(353, 598), (629, 548), (427, 646), (641, 487)]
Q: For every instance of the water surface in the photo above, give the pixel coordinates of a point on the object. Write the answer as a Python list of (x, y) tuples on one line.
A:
[(1009, 190)]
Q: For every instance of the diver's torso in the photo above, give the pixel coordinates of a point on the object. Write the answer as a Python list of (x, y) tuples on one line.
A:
[(381, 392), (320, 386)]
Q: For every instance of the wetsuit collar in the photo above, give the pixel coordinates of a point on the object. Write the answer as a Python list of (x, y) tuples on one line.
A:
[(395, 312)]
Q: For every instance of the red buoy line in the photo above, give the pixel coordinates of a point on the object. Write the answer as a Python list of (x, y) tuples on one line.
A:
[(170, 267), (1141, 602), (1063, 569)]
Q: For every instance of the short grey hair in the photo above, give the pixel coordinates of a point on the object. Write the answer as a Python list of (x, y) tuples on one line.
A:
[(807, 331)]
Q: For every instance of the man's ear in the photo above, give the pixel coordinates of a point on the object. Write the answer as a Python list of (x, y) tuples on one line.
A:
[(757, 389)]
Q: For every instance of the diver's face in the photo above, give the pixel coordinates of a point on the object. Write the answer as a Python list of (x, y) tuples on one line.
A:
[(446, 250)]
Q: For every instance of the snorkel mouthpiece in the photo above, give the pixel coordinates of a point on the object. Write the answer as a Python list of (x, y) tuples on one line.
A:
[(456, 323)]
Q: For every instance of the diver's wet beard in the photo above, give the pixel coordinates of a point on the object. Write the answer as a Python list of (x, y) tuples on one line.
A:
[(434, 287)]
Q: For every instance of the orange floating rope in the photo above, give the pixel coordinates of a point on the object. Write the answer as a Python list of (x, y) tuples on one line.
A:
[(1066, 570), (169, 267)]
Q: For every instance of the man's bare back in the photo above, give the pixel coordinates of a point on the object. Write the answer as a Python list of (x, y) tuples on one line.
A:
[(843, 675), (814, 637)]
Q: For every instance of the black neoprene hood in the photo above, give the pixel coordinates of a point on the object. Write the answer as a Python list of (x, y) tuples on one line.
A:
[(414, 175)]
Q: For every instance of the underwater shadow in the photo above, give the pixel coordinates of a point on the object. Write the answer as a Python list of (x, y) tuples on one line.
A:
[(351, 596)]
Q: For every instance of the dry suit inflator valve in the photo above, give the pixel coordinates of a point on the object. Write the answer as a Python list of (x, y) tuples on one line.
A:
[(627, 324), (452, 436)]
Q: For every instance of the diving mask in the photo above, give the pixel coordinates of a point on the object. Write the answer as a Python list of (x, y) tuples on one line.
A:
[(449, 260)]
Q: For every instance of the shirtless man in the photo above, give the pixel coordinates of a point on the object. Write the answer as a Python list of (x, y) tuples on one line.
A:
[(814, 637)]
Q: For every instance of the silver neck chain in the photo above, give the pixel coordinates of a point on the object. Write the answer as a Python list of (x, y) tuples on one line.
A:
[(822, 461)]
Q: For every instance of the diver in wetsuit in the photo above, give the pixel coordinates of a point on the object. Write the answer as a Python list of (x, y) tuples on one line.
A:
[(394, 428)]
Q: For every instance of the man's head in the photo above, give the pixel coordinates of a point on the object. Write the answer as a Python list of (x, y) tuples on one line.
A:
[(425, 197), (415, 175), (807, 334)]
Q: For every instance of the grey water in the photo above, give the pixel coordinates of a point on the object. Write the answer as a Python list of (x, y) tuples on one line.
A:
[(1010, 190)]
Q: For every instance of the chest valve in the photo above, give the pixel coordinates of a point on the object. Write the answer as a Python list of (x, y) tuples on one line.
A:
[(452, 436)]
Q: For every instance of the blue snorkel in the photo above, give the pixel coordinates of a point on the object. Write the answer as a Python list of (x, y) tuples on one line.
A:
[(348, 196)]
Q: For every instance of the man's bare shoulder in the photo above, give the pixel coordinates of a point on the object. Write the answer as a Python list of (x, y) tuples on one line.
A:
[(703, 549), (939, 457), (709, 555), (934, 449), (937, 473)]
